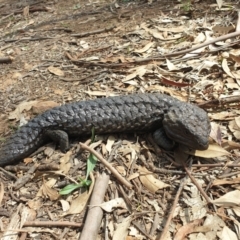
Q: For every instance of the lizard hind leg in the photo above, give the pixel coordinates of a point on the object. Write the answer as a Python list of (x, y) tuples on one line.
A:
[(60, 137)]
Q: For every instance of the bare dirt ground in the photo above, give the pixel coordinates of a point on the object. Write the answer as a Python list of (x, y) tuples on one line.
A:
[(55, 52)]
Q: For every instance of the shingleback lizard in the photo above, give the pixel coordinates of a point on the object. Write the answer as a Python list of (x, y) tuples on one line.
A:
[(180, 122)]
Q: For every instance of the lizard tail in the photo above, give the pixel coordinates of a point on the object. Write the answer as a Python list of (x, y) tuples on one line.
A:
[(21, 144)]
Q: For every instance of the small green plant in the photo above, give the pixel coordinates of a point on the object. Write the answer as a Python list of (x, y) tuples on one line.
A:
[(186, 5), (76, 6), (91, 163)]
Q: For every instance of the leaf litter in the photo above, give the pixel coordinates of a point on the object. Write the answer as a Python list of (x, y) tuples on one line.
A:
[(147, 49)]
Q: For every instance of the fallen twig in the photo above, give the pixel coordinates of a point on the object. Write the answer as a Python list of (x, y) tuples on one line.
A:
[(142, 230), (222, 38), (107, 164), (221, 101), (197, 185), (93, 32), (24, 179), (9, 175), (29, 39), (95, 213), (52, 224), (166, 226), (159, 58), (217, 165), (85, 79)]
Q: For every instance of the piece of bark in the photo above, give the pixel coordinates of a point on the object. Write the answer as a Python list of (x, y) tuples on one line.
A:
[(95, 213)]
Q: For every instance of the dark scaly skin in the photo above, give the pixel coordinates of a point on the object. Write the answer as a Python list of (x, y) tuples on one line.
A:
[(182, 122)]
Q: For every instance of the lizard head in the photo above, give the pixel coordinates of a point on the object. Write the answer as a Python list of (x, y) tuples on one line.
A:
[(188, 125)]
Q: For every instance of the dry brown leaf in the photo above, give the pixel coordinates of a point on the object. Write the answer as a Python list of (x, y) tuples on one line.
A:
[(218, 86), (174, 29), (110, 142), (222, 30), (155, 33), (234, 127), (237, 212), (223, 115), (235, 58), (35, 204), (219, 3), (49, 151), (100, 93), (122, 229), (203, 84), (26, 12), (121, 170), (227, 234), (208, 66), (125, 150), (28, 160), (46, 190), (27, 214), (31, 21), (65, 205), (56, 71), (229, 145), (42, 106), (200, 38), (17, 75), (212, 152), (215, 133), (145, 48), (96, 144), (115, 59), (104, 150), (112, 204), (232, 85), (65, 163), (187, 229), (217, 182), (139, 71), (133, 83), (226, 68), (149, 181), (133, 176), (59, 91), (28, 66), (230, 199), (17, 113), (91, 58), (173, 83), (79, 203), (171, 66)]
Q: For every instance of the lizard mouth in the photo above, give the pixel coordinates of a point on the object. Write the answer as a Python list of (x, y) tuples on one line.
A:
[(188, 139)]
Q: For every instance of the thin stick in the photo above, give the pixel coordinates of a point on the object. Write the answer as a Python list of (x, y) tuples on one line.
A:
[(216, 165), (95, 212), (52, 224), (197, 185), (166, 227), (107, 164)]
